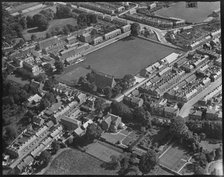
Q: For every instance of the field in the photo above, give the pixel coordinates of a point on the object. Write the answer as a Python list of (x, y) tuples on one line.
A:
[(102, 151), (209, 146), (71, 77), (179, 10), (53, 24), (174, 158), (127, 56), (74, 162)]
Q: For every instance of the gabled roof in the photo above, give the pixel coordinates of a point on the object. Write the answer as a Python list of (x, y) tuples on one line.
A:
[(103, 80)]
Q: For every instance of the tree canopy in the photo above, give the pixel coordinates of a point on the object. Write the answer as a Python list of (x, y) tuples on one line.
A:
[(59, 66), (63, 11), (119, 108), (135, 29), (93, 131), (148, 161), (178, 127)]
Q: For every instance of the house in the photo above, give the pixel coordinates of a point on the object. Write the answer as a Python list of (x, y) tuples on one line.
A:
[(108, 119), (79, 131), (44, 44), (157, 109), (70, 124), (103, 80), (195, 115), (71, 39), (170, 112), (86, 37), (28, 160), (38, 121), (211, 114), (97, 40), (35, 98), (112, 34), (81, 97), (133, 101)]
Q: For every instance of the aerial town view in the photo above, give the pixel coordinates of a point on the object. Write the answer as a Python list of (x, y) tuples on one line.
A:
[(111, 88)]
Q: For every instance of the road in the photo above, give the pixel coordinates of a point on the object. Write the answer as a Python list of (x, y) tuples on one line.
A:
[(187, 106), (160, 33)]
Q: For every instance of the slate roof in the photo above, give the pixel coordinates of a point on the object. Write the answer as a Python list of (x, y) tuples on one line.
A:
[(103, 80)]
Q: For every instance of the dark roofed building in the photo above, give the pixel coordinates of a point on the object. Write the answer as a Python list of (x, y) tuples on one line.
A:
[(104, 80), (170, 112), (133, 101)]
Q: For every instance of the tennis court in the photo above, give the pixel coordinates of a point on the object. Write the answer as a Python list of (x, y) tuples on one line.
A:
[(174, 158), (103, 151)]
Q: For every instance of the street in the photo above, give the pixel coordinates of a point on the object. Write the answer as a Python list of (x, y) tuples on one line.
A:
[(187, 106)]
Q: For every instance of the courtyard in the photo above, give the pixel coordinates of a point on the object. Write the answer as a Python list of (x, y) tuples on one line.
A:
[(127, 56)]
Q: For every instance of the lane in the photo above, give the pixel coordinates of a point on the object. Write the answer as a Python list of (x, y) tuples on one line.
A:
[(187, 106)]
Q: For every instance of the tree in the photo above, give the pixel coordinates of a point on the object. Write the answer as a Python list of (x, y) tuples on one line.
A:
[(129, 79), (48, 13), (108, 92), (55, 146), (63, 11), (29, 22), (93, 131), (48, 35), (44, 103), (90, 77), (148, 161), (82, 20), (201, 159), (23, 22), (59, 66), (45, 157), (50, 97), (11, 132), (93, 32), (66, 30), (119, 108), (178, 127), (198, 170), (33, 37), (40, 21), (218, 153), (98, 104), (135, 29)]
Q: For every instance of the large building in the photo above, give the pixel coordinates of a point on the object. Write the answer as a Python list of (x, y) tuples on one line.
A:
[(107, 121), (104, 80)]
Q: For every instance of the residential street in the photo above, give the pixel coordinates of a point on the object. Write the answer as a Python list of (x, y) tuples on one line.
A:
[(187, 106)]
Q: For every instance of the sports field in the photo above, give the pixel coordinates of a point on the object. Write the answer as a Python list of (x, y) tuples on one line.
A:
[(127, 56), (174, 158)]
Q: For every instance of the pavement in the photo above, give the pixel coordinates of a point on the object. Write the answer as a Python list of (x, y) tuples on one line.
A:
[(187, 106)]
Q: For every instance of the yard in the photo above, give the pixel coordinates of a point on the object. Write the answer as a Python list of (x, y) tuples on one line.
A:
[(74, 162), (127, 56), (53, 24), (174, 158), (36, 11), (209, 146)]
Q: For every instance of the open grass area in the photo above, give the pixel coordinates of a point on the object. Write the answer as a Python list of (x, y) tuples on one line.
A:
[(70, 78), (74, 162), (131, 138), (174, 158), (53, 24), (127, 56), (209, 146), (103, 151)]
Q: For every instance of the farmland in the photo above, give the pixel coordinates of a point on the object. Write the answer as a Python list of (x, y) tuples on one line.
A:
[(74, 162), (127, 56)]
